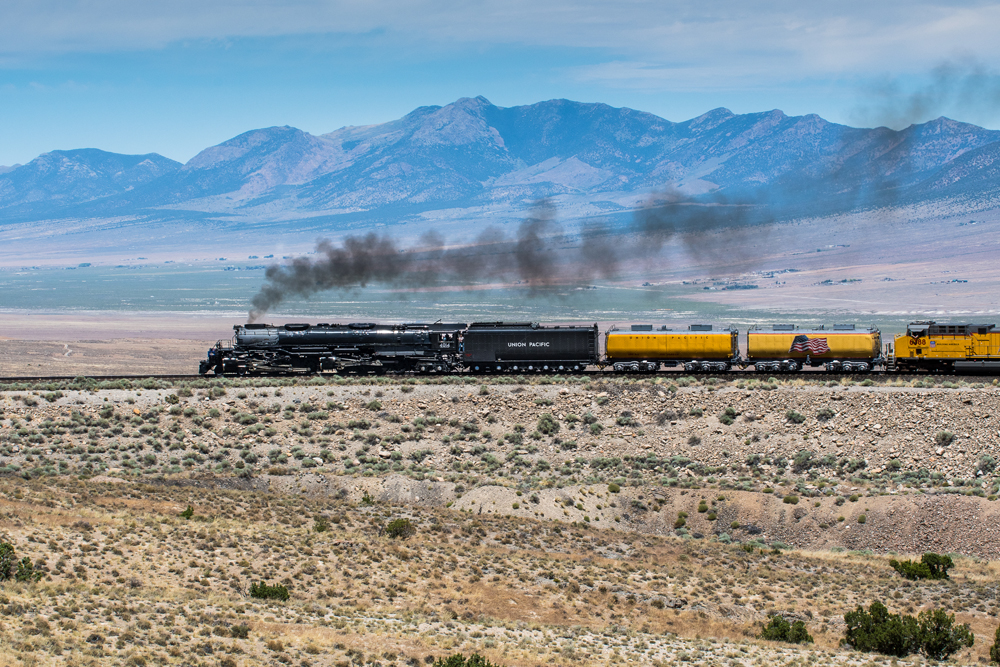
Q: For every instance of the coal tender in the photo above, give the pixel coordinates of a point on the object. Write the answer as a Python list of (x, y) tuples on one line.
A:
[(502, 347), (360, 348)]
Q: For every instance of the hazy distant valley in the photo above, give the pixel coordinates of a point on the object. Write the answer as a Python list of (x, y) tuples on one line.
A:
[(756, 216)]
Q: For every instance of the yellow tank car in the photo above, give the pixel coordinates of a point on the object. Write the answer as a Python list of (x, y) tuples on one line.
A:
[(946, 347), (785, 348), (698, 349)]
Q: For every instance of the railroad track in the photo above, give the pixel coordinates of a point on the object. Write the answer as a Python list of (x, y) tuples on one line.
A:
[(486, 378), (96, 378)]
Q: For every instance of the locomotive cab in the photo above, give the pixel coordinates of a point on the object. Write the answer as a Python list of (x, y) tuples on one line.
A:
[(933, 347)]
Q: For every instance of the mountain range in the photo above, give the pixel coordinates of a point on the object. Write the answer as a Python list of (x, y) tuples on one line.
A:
[(472, 158)]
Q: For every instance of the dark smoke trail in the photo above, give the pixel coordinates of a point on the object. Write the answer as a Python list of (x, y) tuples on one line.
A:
[(715, 229), (540, 254), (964, 88), (535, 257)]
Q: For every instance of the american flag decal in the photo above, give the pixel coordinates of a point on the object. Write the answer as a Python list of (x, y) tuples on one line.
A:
[(804, 343)]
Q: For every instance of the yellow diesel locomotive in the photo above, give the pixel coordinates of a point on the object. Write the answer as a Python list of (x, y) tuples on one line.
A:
[(929, 346)]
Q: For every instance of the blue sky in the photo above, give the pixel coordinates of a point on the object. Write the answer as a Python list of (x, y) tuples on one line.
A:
[(176, 76)]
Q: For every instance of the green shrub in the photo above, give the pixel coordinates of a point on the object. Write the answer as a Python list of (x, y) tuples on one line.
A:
[(803, 460), (702, 507), (944, 437), (188, 513), (939, 637), (780, 630), (547, 425), (932, 633), (400, 529), (931, 566), (878, 631), (614, 488), (862, 519), (262, 591), (374, 405), (794, 417), (241, 631), (12, 568), (790, 500), (995, 649), (26, 571), (825, 414), (458, 660), (626, 419), (321, 525)]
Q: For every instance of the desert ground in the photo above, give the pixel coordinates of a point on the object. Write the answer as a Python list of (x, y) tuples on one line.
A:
[(587, 520), (579, 520)]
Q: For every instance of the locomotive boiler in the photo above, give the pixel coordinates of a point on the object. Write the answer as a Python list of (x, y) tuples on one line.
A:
[(264, 349)]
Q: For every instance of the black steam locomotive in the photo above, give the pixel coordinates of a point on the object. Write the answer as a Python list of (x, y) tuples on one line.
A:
[(376, 349)]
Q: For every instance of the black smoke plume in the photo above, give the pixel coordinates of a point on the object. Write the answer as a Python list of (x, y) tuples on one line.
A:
[(960, 88), (540, 254)]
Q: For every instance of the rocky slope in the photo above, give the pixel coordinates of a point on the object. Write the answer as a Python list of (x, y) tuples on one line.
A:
[(918, 463)]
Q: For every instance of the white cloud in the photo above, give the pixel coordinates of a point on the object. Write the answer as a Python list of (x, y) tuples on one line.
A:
[(791, 36)]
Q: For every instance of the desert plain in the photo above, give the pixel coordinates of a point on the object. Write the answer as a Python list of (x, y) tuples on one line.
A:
[(576, 520)]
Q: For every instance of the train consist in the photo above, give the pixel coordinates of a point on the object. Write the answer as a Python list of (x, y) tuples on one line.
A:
[(504, 347)]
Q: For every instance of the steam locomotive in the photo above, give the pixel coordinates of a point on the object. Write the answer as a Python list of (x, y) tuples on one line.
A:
[(525, 347)]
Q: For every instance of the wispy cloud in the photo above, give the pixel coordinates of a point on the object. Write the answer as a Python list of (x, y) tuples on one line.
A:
[(849, 35)]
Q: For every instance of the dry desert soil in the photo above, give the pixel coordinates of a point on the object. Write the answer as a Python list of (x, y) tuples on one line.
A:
[(565, 520)]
